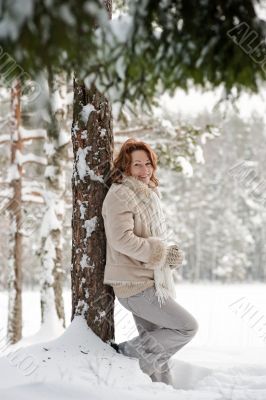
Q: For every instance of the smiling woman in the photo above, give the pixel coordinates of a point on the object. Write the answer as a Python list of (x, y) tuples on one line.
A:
[(136, 159), (140, 262), (141, 166)]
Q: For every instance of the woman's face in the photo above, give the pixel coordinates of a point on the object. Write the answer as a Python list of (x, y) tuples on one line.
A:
[(141, 166)]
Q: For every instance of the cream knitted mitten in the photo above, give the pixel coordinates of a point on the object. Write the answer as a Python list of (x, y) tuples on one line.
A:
[(175, 256)]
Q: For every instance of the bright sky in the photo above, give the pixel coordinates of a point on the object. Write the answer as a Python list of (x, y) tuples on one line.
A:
[(196, 101)]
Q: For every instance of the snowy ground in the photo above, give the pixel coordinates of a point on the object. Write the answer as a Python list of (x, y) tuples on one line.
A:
[(226, 360)]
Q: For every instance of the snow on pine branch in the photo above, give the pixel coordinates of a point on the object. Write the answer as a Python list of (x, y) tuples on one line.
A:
[(32, 185), (64, 138), (5, 194), (50, 222), (29, 158), (5, 139), (28, 134), (24, 135), (32, 198), (186, 166)]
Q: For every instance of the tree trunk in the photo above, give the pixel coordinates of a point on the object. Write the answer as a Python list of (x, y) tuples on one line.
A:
[(52, 273), (14, 328), (92, 139)]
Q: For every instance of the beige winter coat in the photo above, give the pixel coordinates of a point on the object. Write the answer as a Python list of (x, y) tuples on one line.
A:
[(136, 235)]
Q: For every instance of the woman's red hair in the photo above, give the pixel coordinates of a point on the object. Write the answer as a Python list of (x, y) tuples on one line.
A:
[(122, 161)]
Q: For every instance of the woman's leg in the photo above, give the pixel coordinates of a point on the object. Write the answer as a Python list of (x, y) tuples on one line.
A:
[(164, 375), (163, 330)]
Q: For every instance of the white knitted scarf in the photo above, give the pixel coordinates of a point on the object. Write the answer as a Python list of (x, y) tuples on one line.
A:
[(163, 274)]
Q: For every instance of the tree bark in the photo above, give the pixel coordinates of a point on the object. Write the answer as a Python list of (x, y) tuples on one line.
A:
[(14, 325), (93, 153)]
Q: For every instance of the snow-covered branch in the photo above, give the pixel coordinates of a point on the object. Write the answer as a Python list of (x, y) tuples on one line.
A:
[(29, 158), (29, 134), (32, 186), (33, 197), (128, 132), (5, 139), (24, 135)]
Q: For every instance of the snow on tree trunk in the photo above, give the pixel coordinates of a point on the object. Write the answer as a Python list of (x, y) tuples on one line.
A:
[(14, 325), (93, 152), (52, 272)]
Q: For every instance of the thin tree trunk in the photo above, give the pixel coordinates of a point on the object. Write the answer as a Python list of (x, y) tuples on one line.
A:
[(93, 152), (51, 244), (14, 328), (197, 266)]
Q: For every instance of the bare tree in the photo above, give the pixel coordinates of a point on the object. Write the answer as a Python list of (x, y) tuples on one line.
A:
[(93, 150), (14, 328), (52, 272), (93, 143)]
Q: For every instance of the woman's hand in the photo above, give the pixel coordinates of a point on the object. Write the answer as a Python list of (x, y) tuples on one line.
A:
[(175, 256)]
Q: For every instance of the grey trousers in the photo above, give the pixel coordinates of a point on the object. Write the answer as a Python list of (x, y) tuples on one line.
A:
[(163, 330)]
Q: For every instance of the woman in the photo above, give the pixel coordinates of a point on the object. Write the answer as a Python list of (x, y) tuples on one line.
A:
[(140, 261)]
